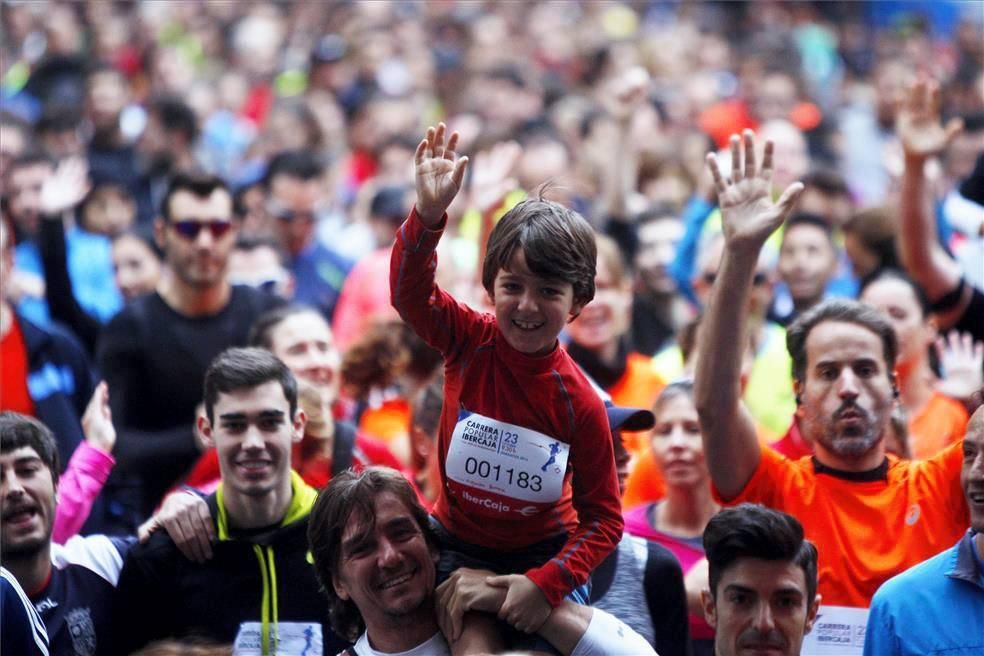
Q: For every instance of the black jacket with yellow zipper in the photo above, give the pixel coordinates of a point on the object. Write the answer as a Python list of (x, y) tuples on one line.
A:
[(257, 589)]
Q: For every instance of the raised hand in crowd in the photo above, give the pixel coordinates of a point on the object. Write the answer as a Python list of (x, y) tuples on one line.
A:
[(918, 125), (438, 173), (65, 188), (185, 517), (97, 421), (748, 213), (922, 136), (749, 216), (962, 362)]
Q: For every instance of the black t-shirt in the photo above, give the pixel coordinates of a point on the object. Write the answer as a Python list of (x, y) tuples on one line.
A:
[(154, 360)]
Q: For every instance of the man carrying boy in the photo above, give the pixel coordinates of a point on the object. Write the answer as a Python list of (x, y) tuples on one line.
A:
[(374, 552), (512, 393)]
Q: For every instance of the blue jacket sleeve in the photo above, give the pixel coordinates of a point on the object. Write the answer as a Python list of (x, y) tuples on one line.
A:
[(880, 638), (694, 215)]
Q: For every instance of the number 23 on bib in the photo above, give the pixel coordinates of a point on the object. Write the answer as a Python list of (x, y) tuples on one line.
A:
[(497, 469)]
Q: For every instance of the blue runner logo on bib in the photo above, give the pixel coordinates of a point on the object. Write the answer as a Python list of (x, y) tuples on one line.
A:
[(502, 469)]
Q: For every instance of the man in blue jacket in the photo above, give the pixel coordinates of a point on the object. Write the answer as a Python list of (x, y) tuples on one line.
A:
[(937, 607), (46, 372)]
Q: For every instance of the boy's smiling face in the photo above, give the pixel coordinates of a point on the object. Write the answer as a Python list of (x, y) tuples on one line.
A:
[(531, 310)]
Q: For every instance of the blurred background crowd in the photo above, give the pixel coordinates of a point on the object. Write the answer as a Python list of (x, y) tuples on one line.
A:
[(310, 113)]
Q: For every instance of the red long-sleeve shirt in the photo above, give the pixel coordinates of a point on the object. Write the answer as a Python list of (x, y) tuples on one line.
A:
[(509, 423)]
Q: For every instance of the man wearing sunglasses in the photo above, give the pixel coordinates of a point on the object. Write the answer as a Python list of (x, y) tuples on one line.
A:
[(155, 351)]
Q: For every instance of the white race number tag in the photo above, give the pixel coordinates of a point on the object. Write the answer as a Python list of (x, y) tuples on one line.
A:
[(838, 631), (292, 639), (507, 461)]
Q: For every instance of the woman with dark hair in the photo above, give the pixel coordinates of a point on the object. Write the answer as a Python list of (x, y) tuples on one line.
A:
[(935, 420)]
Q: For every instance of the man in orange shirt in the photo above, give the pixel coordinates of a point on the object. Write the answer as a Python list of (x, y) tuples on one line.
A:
[(870, 515)]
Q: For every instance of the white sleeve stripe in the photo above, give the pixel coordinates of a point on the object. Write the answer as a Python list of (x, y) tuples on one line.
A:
[(38, 631), (96, 553)]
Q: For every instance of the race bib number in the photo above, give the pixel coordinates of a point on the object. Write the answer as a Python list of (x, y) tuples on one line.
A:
[(502, 468), (838, 631), (289, 639)]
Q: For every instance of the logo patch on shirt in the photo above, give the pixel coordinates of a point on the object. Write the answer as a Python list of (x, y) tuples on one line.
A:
[(82, 631), (912, 515)]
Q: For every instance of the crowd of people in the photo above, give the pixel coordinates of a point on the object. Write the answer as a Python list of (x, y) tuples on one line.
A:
[(481, 327)]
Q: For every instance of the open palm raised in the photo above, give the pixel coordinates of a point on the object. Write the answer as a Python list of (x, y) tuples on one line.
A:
[(438, 174), (748, 213)]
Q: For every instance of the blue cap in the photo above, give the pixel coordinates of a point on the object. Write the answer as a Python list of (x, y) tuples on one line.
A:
[(630, 419)]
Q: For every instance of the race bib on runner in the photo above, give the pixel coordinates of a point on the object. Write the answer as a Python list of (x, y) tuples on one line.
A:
[(289, 639), (504, 469), (838, 631)]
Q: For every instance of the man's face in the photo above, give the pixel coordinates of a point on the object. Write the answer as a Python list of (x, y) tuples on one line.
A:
[(27, 503), (836, 208), (387, 568), (154, 146), (806, 262), (253, 433), (776, 97), (24, 194), (198, 237), (607, 317), (293, 206), (972, 473), (531, 310), (760, 607), (261, 268), (762, 280), (658, 242), (846, 399), (107, 95), (305, 344)]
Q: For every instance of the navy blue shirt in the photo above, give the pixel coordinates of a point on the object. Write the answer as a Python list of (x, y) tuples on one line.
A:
[(76, 603)]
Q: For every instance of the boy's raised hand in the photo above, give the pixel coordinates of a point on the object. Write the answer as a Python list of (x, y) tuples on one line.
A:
[(438, 174), (748, 214)]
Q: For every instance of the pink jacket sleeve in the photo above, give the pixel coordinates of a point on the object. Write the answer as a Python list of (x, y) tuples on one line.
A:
[(78, 488)]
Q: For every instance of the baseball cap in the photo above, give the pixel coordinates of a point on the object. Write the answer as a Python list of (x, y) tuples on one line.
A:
[(630, 419)]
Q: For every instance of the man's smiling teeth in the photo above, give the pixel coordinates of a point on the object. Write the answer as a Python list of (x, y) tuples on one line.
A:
[(254, 464), (396, 581), (526, 325)]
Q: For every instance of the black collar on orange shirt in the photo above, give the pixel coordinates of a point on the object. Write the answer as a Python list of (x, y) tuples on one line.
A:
[(879, 473)]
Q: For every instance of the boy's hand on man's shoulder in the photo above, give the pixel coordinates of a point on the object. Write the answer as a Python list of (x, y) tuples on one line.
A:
[(438, 174)]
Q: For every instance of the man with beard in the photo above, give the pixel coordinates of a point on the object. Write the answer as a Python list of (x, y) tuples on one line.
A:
[(762, 582), (376, 554), (938, 607), (70, 585), (878, 514), (155, 351)]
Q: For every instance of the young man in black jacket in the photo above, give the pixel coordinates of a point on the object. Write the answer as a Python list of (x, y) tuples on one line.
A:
[(258, 591)]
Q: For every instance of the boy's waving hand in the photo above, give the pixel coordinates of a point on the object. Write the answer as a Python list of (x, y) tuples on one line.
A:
[(438, 174)]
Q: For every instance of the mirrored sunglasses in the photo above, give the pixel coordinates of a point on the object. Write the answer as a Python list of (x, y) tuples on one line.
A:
[(189, 228)]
